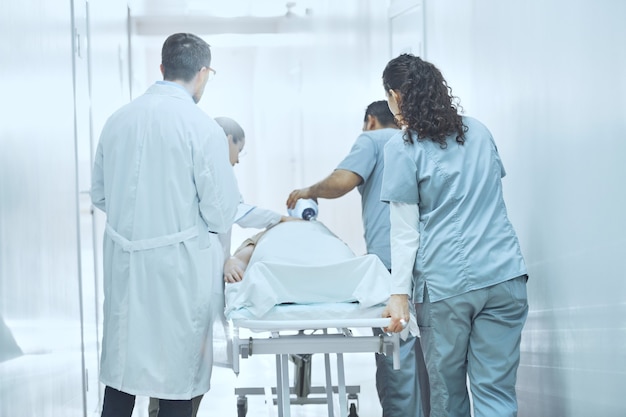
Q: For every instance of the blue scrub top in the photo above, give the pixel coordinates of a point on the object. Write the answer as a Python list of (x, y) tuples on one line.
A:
[(366, 160), (466, 239)]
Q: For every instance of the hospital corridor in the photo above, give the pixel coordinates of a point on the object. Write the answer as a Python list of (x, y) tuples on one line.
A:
[(546, 77)]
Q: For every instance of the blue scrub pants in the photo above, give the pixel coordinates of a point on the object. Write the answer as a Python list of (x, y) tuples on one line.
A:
[(121, 404), (403, 392), (474, 336)]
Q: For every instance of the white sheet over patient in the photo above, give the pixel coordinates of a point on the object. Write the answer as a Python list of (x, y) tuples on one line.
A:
[(303, 262)]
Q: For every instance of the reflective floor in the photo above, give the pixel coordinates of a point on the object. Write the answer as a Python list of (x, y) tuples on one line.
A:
[(260, 371), (47, 381)]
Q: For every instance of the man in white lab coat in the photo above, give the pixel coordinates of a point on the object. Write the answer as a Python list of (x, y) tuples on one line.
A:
[(163, 177)]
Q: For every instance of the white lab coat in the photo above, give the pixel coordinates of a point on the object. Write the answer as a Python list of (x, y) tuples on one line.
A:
[(256, 217), (249, 216), (163, 177)]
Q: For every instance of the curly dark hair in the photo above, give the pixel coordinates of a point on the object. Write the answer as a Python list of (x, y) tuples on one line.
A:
[(427, 105)]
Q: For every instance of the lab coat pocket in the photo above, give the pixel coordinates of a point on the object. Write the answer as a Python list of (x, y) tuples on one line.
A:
[(204, 237)]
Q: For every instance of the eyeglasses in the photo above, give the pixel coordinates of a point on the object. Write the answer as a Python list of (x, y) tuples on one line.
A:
[(212, 73)]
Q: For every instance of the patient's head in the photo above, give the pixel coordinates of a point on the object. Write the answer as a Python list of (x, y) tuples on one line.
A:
[(236, 137), (378, 116)]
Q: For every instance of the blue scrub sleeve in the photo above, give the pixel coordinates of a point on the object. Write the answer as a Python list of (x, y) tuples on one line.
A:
[(399, 174), (495, 150), (362, 157)]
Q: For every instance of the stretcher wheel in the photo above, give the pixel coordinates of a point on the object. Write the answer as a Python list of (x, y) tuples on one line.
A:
[(353, 411), (242, 406)]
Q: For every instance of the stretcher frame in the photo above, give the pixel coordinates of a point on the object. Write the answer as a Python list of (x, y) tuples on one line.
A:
[(284, 345)]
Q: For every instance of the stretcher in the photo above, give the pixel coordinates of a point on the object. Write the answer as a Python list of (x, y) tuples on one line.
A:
[(290, 334), (302, 293)]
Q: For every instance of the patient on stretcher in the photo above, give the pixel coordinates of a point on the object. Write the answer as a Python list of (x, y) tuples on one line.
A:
[(303, 263)]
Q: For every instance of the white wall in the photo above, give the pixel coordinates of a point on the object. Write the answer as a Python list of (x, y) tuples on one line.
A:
[(47, 276), (39, 297), (549, 80)]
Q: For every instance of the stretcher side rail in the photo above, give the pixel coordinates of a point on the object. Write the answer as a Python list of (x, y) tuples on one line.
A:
[(329, 343), (282, 346)]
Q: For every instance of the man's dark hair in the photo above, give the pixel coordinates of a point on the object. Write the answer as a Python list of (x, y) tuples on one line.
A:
[(183, 55), (232, 128), (380, 110)]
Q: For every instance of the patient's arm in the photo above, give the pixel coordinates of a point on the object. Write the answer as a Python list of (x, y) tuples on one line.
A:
[(236, 265), (289, 219)]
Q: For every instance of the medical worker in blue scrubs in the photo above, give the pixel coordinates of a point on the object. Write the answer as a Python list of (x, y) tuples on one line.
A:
[(454, 251), (362, 168)]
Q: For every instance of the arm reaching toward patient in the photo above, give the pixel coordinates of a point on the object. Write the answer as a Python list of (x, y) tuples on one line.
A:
[(338, 183)]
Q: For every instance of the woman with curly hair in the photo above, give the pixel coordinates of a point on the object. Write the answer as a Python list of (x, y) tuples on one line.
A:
[(454, 251)]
